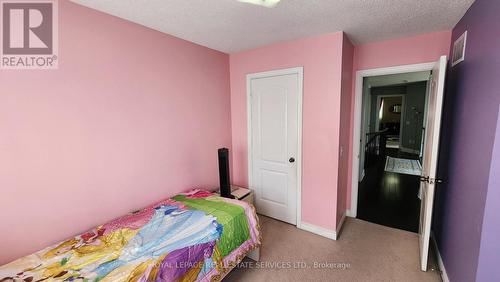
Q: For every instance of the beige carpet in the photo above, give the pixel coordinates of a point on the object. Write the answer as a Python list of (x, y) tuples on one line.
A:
[(364, 252)]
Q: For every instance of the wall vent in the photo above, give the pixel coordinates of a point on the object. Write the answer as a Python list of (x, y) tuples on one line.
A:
[(459, 49)]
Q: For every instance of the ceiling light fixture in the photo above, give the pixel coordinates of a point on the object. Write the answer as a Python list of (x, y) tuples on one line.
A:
[(265, 3)]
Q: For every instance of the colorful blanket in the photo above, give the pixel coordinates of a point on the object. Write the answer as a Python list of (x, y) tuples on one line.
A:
[(195, 236)]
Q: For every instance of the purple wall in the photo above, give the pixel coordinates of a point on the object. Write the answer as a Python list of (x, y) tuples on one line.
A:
[(468, 134), (489, 254)]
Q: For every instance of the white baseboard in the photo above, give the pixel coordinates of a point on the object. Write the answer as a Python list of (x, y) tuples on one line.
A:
[(350, 213), (330, 234), (444, 275)]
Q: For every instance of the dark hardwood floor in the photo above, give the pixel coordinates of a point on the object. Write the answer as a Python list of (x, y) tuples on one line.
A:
[(389, 199)]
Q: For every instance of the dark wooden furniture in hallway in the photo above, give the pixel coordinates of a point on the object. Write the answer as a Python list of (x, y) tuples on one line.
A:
[(389, 199)]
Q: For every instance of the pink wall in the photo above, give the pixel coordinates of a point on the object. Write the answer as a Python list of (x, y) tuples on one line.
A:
[(321, 58), (404, 51), (130, 117), (345, 130)]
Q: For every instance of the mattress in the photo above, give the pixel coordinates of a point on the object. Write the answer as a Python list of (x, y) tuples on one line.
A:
[(194, 236)]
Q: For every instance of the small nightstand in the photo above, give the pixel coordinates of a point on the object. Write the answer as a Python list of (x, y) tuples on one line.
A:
[(246, 195), (242, 194)]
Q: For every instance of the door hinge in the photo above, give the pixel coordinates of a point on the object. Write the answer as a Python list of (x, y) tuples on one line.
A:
[(431, 180)]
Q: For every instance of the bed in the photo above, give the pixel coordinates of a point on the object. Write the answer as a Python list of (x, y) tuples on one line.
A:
[(194, 236)]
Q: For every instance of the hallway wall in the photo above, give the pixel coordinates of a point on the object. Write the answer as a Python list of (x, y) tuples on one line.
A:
[(414, 96), (411, 138), (471, 109), (379, 91)]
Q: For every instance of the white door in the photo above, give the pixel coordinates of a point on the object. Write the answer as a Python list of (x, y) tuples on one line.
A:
[(274, 150), (430, 158)]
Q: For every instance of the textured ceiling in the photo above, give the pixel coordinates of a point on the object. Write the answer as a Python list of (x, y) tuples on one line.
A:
[(231, 26)]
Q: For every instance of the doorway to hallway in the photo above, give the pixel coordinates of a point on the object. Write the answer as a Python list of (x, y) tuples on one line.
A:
[(393, 115), (373, 145)]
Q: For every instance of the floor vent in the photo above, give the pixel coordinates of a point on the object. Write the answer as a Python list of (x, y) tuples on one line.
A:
[(459, 49)]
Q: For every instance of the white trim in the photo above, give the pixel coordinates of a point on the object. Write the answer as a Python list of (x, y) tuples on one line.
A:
[(300, 72), (401, 115), (424, 120), (349, 213), (358, 98), (442, 269), (330, 234)]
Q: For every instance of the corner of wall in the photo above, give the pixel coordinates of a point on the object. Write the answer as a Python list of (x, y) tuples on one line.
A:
[(344, 171)]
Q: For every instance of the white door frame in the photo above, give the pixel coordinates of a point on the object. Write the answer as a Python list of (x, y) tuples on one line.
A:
[(298, 159), (358, 96), (401, 116)]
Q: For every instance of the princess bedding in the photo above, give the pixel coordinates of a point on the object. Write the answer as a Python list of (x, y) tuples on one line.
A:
[(194, 236)]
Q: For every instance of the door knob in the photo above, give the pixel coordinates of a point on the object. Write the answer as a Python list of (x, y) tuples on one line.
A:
[(292, 160)]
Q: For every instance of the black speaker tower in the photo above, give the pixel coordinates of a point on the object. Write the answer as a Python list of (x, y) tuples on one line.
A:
[(225, 182)]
